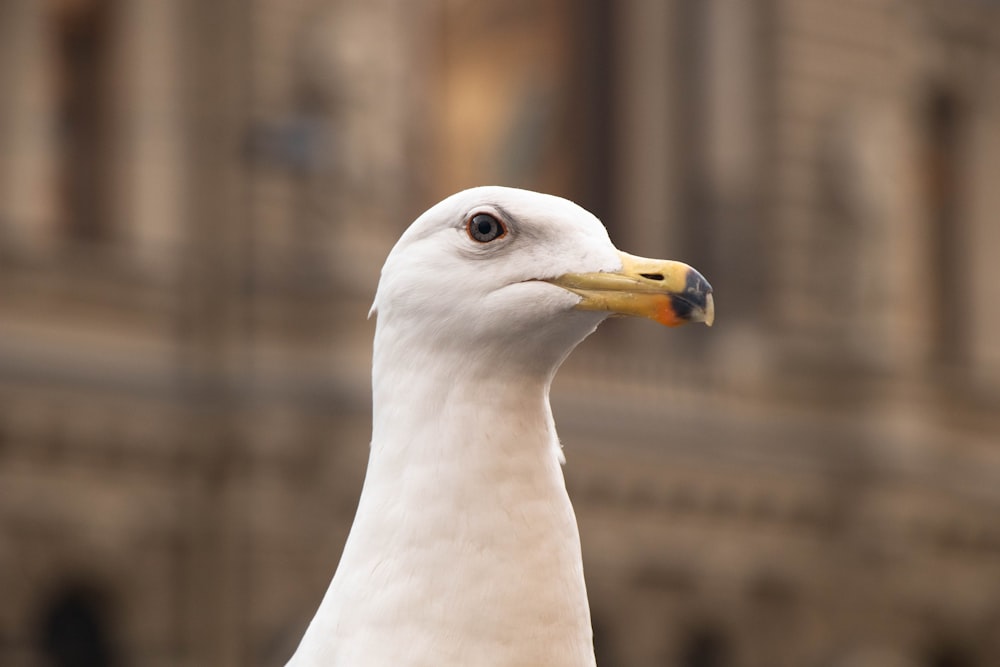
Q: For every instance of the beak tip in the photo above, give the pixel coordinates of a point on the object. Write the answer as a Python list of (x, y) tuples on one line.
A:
[(671, 293)]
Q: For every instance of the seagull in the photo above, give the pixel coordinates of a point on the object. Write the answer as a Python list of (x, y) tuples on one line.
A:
[(465, 549)]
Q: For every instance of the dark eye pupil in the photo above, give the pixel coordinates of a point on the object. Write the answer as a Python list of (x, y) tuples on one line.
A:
[(485, 228)]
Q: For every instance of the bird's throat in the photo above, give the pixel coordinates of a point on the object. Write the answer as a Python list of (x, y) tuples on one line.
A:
[(464, 530)]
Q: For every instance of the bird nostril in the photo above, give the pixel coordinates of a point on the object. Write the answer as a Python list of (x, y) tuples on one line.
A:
[(652, 276)]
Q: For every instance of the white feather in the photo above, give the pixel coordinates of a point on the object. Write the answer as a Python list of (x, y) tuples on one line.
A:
[(465, 549)]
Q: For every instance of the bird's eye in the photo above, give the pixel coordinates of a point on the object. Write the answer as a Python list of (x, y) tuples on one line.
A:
[(484, 228)]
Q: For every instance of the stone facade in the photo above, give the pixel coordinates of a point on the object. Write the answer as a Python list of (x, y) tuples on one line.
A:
[(195, 200)]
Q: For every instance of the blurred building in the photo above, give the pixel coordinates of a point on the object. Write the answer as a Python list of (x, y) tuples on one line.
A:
[(195, 201)]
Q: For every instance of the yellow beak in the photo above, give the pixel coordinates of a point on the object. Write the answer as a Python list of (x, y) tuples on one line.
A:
[(671, 293)]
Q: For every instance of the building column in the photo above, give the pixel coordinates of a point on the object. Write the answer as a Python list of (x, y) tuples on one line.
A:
[(151, 142)]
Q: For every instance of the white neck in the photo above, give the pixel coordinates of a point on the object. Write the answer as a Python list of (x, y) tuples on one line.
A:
[(465, 548)]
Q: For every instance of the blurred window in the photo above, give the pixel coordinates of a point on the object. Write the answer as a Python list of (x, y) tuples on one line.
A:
[(942, 126), (80, 33), (692, 37), (593, 142)]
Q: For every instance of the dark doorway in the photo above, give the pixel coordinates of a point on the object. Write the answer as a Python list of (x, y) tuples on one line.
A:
[(948, 654), (74, 630), (704, 648)]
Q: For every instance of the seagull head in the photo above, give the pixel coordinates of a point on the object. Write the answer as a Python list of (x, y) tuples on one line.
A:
[(517, 273)]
